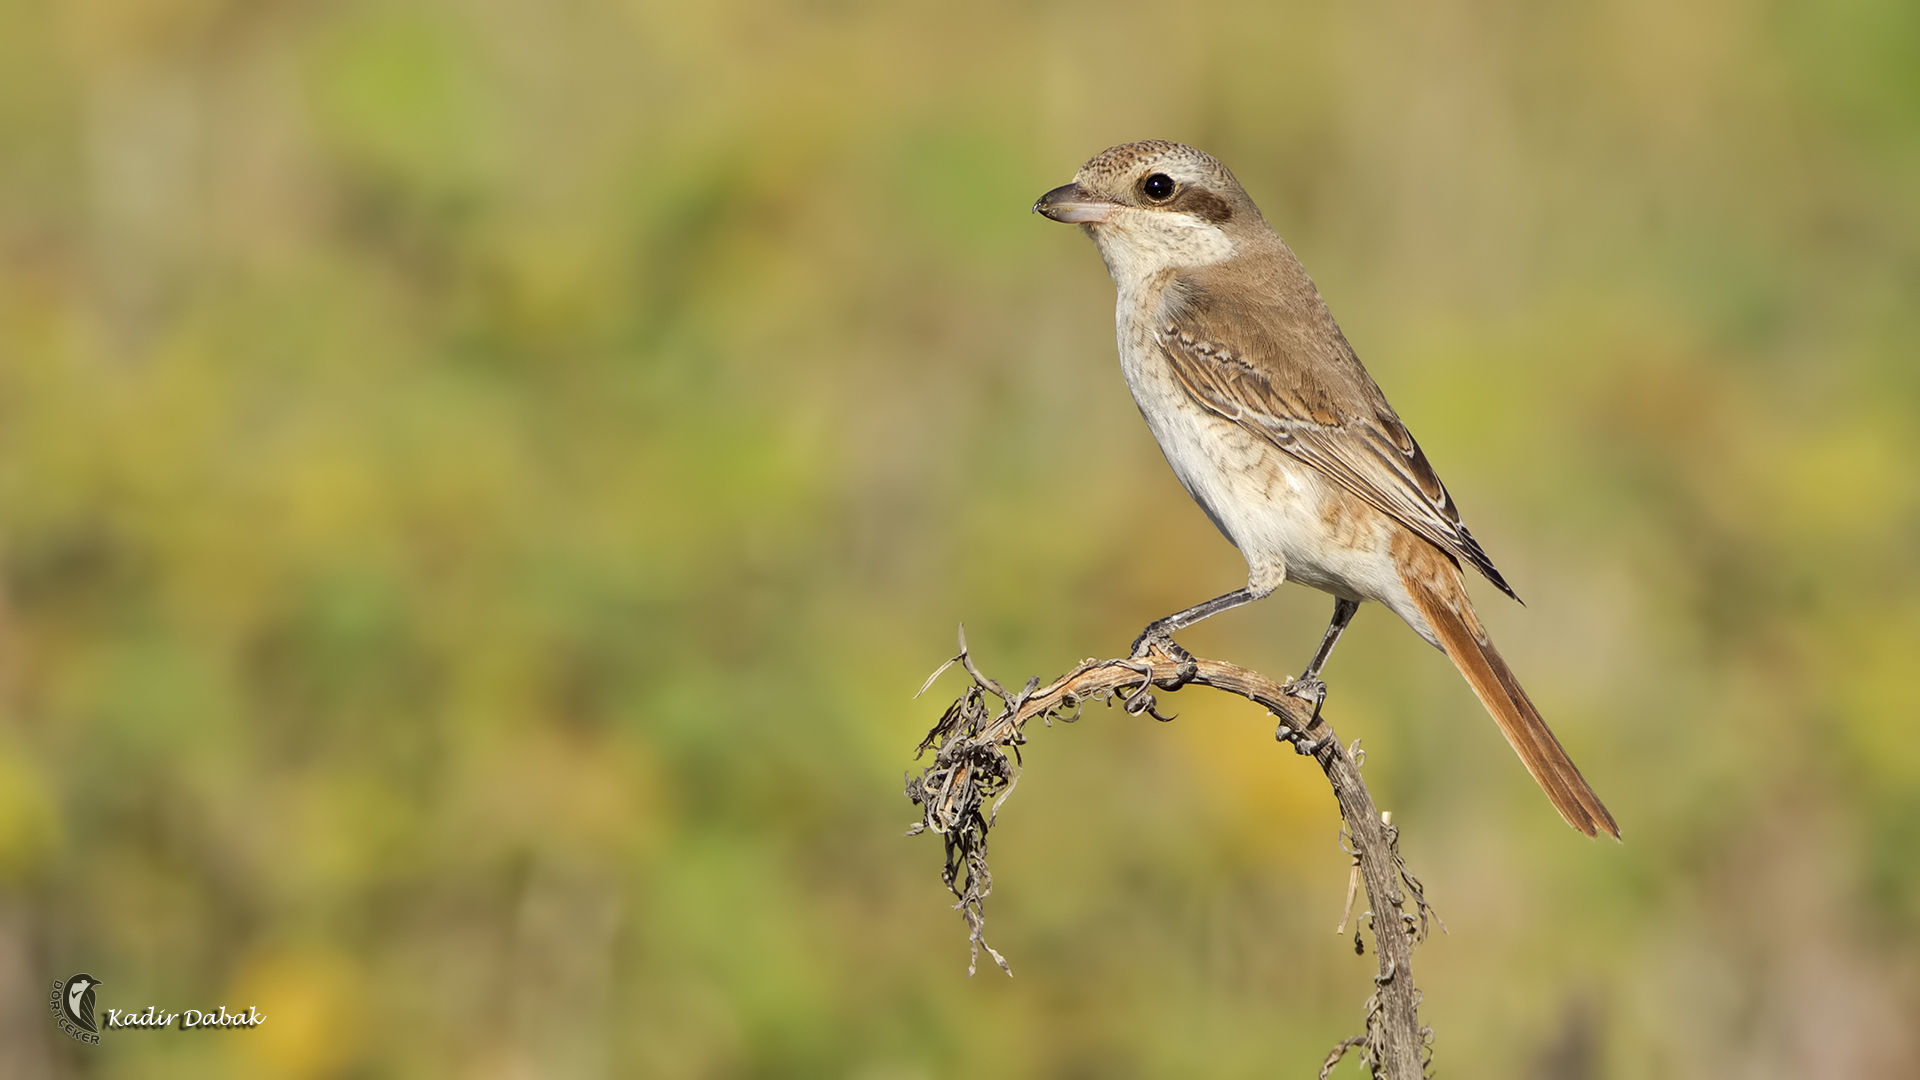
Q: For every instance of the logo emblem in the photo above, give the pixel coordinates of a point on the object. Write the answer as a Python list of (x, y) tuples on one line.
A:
[(73, 1001)]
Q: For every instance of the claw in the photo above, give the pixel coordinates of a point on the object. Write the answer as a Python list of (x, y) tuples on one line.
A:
[(1156, 637), (1141, 700), (1309, 688)]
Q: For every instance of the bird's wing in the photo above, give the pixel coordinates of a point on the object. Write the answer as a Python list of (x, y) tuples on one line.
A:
[(1249, 367)]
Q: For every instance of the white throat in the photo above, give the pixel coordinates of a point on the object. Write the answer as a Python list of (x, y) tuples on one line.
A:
[(1138, 244)]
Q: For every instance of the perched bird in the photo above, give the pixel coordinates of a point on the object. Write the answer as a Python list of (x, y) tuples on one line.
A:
[(1275, 429)]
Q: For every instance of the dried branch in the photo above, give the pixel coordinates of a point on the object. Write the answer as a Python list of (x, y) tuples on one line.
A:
[(972, 775)]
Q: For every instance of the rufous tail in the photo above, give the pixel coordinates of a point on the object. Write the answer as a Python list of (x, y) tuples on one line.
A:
[(1437, 591)]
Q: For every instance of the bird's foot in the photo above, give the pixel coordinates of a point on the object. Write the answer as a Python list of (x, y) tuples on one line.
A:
[(1308, 688), (1155, 634), (1303, 744)]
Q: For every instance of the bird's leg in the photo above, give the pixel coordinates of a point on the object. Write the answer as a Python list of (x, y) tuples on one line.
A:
[(1162, 630), (1308, 685)]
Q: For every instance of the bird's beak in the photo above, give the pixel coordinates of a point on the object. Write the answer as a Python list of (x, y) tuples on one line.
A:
[(1071, 204)]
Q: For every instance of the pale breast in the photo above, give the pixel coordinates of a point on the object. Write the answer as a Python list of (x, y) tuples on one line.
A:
[(1287, 519)]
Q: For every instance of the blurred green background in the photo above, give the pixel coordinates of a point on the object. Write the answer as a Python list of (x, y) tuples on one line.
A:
[(480, 482)]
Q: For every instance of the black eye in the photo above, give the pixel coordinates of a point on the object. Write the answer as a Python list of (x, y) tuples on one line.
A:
[(1159, 187)]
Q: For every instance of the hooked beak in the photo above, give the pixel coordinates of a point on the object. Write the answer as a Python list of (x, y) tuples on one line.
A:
[(1071, 204)]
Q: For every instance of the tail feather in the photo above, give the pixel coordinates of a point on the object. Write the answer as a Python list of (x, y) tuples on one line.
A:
[(1441, 599)]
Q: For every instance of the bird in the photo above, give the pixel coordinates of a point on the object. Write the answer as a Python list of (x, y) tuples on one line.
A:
[(1270, 422), (79, 1001)]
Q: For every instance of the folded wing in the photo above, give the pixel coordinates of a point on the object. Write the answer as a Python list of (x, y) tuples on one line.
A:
[(1339, 422)]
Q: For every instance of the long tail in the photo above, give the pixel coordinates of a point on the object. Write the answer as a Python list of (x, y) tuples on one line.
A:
[(1434, 584)]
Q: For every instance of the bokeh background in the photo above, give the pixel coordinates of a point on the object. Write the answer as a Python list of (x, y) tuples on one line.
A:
[(481, 481)]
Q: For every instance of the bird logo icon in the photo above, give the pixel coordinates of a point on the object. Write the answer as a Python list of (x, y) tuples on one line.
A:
[(76, 1001)]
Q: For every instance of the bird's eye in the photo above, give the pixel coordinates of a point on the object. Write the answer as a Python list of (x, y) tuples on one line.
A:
[(1158, 187)]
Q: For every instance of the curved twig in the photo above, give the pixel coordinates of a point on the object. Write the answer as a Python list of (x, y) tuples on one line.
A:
[(971, 771)]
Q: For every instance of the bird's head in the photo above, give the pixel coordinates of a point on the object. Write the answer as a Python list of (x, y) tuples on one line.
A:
[(1154, 206)]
